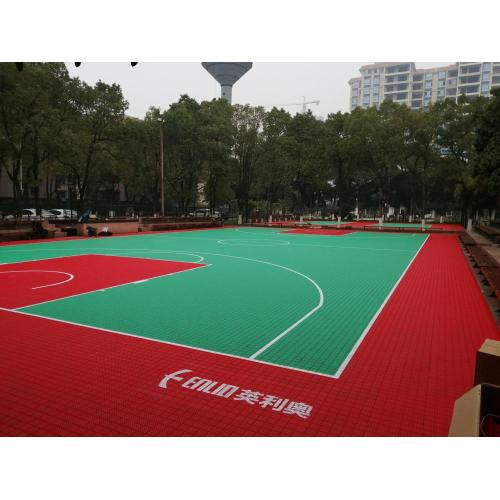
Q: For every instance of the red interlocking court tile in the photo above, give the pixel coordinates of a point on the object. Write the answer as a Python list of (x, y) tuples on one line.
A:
[(27, 283), (62, 379)]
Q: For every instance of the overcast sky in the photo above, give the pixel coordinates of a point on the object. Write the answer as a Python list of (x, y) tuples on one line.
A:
[(266, 84)]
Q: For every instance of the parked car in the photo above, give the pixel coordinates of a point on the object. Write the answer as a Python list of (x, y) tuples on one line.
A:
[(204, 212), (24, 214), (62, 213)]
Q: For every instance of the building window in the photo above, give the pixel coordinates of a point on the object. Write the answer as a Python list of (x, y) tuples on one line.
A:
[(418, 78), (402, 96), (495, 80), (428, 94), (452, 82), (485, 87), (474, 68), (376, 80), (398, 69), (417, 95), (486, 77), (428, 76), (452, 91), (375, 90), (366, 90), (428, 85), (469, 79), (440, 92), (469, 89), (417, 86), (416, 104), (442, 75), (486, 66), (441, 83), (389, 88), (452, 73)]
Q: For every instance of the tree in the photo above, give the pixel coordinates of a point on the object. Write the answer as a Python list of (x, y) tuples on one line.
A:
[(247, 149), (487, 145), (307, 161), (217, 133), (85, 144), (32, 109), (183, 151), (456, 136), (273, 172)]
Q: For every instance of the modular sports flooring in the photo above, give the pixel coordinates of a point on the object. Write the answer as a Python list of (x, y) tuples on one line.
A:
[(237, 331)]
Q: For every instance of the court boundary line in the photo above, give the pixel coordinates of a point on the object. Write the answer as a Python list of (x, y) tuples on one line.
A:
[(368, 327), (90, 327)]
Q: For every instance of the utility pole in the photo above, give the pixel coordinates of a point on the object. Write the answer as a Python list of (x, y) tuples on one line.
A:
[(161, 172)]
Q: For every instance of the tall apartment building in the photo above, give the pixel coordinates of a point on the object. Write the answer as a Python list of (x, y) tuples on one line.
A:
[(418, 88)]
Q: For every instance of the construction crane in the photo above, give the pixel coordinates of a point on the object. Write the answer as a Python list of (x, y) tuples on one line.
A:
[(304, 104)]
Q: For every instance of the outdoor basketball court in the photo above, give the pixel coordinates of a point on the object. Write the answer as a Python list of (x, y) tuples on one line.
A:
[(258, 331)]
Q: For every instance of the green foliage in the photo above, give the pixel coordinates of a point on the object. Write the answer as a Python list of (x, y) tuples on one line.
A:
[(243, 157)]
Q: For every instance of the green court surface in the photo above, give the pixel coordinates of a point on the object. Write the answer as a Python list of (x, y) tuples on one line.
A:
[(300, 301)]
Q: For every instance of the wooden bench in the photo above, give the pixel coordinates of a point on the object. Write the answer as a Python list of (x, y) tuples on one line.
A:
[(15, 234), (467, 240), (170, 223), (490, 232), (492, 276), (481, 257)]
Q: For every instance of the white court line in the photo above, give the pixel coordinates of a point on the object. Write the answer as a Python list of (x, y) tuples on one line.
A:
[(16, 311), (342, 367), (200, 258), (233, 242), (42, 271), (300, 320), (257, 231), (341, 247)]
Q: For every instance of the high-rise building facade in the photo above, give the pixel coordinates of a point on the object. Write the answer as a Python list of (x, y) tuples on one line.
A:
[(418, 88)]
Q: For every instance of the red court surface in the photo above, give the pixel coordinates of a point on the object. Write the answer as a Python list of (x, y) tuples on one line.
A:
[(322, 232), (27, 283), (62, 379), (448, 227)]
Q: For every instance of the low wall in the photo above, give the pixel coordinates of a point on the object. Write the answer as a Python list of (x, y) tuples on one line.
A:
[(114, 227)]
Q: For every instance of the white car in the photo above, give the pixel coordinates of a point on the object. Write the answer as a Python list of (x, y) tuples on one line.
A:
[(204, 212), (62, 213)]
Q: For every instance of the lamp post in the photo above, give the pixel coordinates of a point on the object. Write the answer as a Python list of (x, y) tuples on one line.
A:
[(162, 188)]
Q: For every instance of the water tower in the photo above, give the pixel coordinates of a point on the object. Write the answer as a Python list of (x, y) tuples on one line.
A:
[(227, 74)]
